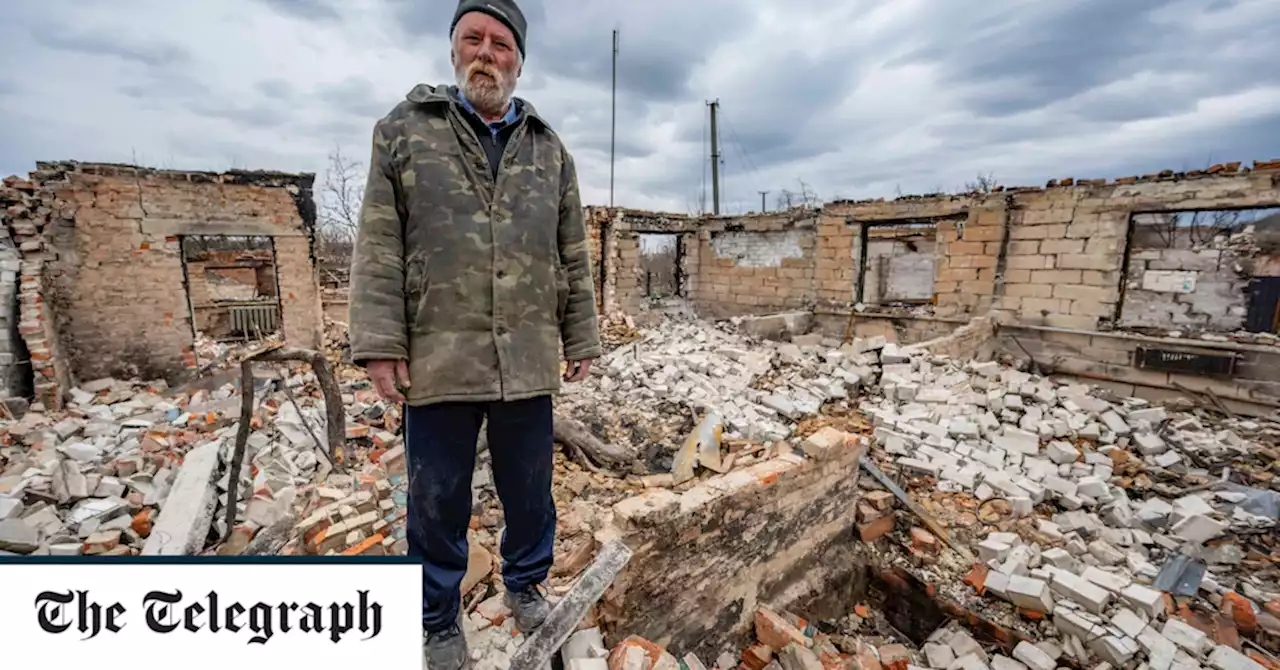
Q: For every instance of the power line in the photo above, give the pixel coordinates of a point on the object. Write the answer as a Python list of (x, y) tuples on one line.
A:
[(742, 150)]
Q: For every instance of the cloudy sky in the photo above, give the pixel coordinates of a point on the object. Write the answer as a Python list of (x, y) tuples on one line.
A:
[(853, 98)]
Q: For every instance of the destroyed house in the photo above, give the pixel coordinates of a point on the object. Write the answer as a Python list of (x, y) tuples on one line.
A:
[(1148, 283), (114, 270)]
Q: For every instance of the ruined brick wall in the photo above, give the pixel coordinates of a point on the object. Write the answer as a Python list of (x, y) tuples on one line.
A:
[(1067, 249), (1183, 273), (108, 249), (968, 233), (757, 264), (30, 208), (773, 533), (14, 370)]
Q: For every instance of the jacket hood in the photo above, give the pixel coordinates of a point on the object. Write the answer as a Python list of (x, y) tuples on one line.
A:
[(445, 93)]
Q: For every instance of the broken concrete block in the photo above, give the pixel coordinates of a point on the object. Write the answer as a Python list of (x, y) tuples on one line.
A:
[(18, 537), (1075, 623), (1017, 440), (1186, 636), (1115, 424), (1128, 622), (1029, 593), (1144, 599), (1198, 529), (1092, 597), (1116, 650), (999, 662), (1107, 580), (990, 549), (963, 645), (796, 657), (1033, 657), (1223, 657), (188, 511), (1091, 486), (1150, 444), (824, 441), (1105, 553), (1059, 558), (1155, 512), (1062, 452), (941, 656)]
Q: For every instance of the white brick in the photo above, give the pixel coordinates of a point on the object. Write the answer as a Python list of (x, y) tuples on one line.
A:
[(1033, 657), (1226, 658), (1107, 580), (1090, 596), (1030, 593), (1185, 636)]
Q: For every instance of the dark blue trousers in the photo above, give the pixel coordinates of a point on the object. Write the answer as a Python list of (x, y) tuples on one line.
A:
[(440, 440)]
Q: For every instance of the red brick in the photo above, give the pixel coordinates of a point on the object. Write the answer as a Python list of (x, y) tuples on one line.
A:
[(754, 657), (1240, 610), (894, 657), (870, 532), (775, 631), (977, 578), (923, 540)]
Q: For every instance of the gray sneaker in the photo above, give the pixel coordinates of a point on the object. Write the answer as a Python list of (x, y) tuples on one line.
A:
[(446, 650), (529, 607)]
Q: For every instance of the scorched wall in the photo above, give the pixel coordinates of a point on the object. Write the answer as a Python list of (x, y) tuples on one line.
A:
[(103, 290)]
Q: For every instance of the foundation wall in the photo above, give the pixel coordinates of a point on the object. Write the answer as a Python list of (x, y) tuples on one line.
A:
[(773, 534)]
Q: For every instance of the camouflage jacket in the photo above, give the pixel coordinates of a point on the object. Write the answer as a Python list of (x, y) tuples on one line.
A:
[(476, 284)]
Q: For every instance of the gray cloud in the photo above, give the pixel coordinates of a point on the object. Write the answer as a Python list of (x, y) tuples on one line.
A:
[(354, 95), (151, 54), (315, 10), (257, 115), (858, 98), (277, 89)]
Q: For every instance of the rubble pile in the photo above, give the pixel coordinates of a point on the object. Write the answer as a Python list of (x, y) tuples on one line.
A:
[(785, 641), (1122, 531), (93, 478), (653, 388)]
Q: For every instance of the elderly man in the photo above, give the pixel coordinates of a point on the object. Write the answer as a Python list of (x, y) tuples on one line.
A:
[(470, 273)]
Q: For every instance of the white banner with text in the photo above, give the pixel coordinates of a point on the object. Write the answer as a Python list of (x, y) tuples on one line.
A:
[(211, 614)]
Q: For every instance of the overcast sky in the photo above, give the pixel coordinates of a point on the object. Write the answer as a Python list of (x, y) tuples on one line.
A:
[(856, 98)]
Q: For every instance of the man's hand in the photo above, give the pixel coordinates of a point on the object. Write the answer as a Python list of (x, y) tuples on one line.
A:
[(388, 378), (577, 371)]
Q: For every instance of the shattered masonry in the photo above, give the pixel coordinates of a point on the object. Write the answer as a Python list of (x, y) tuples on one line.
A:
[(1001, 363)]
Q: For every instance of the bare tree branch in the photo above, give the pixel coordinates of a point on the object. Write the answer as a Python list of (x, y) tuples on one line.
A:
[(341, 197), (984, 183)]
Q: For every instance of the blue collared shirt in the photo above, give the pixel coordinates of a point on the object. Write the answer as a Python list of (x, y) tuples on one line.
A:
[(497, 126)]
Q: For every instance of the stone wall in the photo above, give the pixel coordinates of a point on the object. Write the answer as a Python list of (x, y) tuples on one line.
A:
[(104, 291), (775, 533)]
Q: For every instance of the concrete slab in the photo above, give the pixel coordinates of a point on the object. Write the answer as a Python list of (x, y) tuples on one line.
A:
[(188, 511)]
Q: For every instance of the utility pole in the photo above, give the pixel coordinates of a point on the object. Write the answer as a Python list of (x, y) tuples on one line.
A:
[(613, 120), (715, 160), (763, 208)]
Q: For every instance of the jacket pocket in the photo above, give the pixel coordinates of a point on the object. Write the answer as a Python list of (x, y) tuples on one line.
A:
[(416, 283), (562, 293)]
